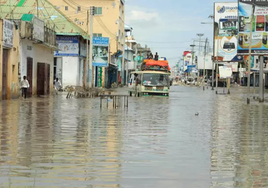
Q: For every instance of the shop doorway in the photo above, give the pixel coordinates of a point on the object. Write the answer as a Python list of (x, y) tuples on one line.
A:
[(4, 74), (30, 76), (43, 79)]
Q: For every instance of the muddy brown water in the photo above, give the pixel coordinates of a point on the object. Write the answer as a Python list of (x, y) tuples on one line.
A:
[(157, 142)]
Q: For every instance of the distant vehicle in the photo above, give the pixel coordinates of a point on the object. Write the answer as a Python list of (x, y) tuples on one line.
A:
[(190, 81)]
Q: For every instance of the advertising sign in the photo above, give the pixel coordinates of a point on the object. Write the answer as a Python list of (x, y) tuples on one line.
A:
[(255, 64), (67, 45), (225, 30), (100, 51), (225, 72), (255, 2), (38, 29), (8, 33), (187, 59), (259, 28)]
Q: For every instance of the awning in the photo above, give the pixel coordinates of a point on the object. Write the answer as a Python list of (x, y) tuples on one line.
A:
[(53, 17)]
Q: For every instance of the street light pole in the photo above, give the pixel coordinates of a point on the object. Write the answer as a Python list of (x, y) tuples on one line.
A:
[(200, 35), (250, 49), (92, 12), (204, 72)]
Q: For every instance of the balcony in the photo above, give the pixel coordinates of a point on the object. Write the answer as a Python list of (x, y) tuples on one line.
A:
[(47, 38)]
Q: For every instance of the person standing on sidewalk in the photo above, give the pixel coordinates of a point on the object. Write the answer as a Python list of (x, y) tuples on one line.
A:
[(57, 86), (24, 84)]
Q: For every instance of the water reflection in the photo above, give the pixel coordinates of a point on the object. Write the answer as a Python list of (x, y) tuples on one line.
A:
[(156, 142), (239, 144)]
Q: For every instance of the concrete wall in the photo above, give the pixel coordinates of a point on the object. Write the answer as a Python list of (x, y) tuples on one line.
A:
[(40, 54), (12, 68), (71, 74)]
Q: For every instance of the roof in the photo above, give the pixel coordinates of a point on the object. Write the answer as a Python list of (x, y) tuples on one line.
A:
[(149, 72), (128, 28), (15, 9)]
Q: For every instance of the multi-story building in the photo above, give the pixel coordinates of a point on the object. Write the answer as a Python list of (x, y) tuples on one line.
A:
[(130, 51), (37, 42), (108, 21)]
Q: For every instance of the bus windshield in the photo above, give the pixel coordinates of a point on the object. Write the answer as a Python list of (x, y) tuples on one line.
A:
[(150, 79)]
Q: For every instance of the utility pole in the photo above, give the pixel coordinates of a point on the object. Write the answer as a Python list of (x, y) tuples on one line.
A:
[(136, 59), (86, 66), (92, 12), (200, 35), (250, 49), (127, 66), (204, 72), (37, 8), (261, 85)]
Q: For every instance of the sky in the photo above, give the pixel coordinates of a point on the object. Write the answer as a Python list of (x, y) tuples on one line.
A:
[(170, 26)]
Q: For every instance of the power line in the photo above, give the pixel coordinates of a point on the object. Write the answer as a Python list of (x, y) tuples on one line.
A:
[(164, 42)]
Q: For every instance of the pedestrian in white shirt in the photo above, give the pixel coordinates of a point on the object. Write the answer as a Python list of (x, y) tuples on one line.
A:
[(57, 85), (24, 84)]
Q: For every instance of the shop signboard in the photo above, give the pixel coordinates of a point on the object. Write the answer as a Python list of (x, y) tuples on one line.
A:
[(255, 2), (225, 31), (225, 72), (67, 45), (38, 29), (259, 27), (8, 33), (100, 51), (187, 59)]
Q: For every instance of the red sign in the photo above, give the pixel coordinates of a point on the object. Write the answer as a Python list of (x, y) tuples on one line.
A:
[(186, 52)]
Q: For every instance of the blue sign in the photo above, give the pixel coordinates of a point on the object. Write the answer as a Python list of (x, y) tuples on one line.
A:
[(100, 51), (100, 64), (190, 68), (67, 45), (100, 41)]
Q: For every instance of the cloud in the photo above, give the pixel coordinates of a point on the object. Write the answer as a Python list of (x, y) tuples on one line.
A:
[(142, 15)]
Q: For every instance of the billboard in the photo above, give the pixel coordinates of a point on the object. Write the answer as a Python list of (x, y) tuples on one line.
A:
[(255, 2), (259, 28), (8, 33), (67, 45), (38, 29), (225, 30), (100, 51), (187, 59)]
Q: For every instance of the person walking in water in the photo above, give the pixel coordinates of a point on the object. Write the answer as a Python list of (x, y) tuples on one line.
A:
[(24, 84), (57, 86)]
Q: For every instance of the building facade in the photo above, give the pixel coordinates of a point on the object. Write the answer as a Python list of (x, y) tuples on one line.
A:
[(9, 60), (108, 21), (37, 45), (70, 60)]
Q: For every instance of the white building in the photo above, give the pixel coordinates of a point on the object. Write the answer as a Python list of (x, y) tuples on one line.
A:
[(37, 47), (130, 50), (70, 59)]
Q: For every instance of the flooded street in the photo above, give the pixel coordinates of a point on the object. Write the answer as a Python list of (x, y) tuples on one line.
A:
[(156, 142)]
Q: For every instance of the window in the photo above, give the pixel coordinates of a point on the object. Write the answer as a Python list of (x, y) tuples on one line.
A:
[(97, 35), (98, 11), (155, 79), (78, 8), (66, 8)]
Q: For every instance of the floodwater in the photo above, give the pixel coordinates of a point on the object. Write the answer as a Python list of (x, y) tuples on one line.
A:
[(157, 142)]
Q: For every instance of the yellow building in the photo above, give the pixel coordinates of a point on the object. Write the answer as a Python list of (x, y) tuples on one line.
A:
[(9, 60), (108, 20)]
